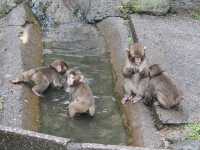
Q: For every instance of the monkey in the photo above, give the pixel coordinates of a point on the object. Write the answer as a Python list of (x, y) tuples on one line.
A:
[(135, 72), (135, 61), (43, 77), (82, 97), (162, 89)]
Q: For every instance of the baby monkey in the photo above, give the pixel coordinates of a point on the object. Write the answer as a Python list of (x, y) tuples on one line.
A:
[(136, 61), (82, 98), (43, 77), (162, 88), (135, 71)]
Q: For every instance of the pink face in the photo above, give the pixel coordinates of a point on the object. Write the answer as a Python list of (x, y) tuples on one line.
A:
[(75, 79), (138, 60), (136, 53), (60, 66)]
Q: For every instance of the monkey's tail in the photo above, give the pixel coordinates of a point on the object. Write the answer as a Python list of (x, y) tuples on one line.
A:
[(24, 77)]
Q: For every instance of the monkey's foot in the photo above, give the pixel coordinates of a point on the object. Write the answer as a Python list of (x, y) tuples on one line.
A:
[(15, 81)]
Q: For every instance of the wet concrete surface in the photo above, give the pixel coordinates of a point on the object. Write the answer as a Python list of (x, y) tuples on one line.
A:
[(173, 42), (74, 38), (138, 117), (20, 107)]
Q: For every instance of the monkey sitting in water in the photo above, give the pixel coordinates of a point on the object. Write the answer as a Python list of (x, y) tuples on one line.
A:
[(43, 77), (82, 98), (162, 89), (135, 72)]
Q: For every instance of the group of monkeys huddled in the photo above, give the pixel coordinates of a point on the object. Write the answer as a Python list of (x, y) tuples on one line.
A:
[(59, 75), (151, 84)]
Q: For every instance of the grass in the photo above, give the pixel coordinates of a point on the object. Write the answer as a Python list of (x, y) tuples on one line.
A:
[(196, 15), (194, 131)]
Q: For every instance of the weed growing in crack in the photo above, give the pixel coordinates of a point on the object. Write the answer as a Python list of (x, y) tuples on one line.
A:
[(193, 131)]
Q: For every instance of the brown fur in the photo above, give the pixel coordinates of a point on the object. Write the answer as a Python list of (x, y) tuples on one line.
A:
[(43, 77), (135, 74), (162, 88)]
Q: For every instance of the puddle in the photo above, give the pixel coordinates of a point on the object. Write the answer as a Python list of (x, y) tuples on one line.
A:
[(106, 127)]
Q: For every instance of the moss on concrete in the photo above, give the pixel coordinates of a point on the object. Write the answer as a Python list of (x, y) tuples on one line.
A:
[(196, 15), (156, 7)]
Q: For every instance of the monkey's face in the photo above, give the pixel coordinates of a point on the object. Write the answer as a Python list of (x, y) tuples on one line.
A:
[(60, 66), (136, 54), (74, 79), (155, 70)]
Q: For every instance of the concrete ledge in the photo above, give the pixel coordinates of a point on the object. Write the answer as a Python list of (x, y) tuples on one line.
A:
[(137, 117), (93, 146), (18, 139), (21, 49)]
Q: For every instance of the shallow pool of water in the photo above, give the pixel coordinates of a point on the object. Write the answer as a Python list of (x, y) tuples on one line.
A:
[(106, 126)]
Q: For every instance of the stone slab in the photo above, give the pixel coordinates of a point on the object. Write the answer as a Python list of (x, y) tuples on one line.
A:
[(174, 43)]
